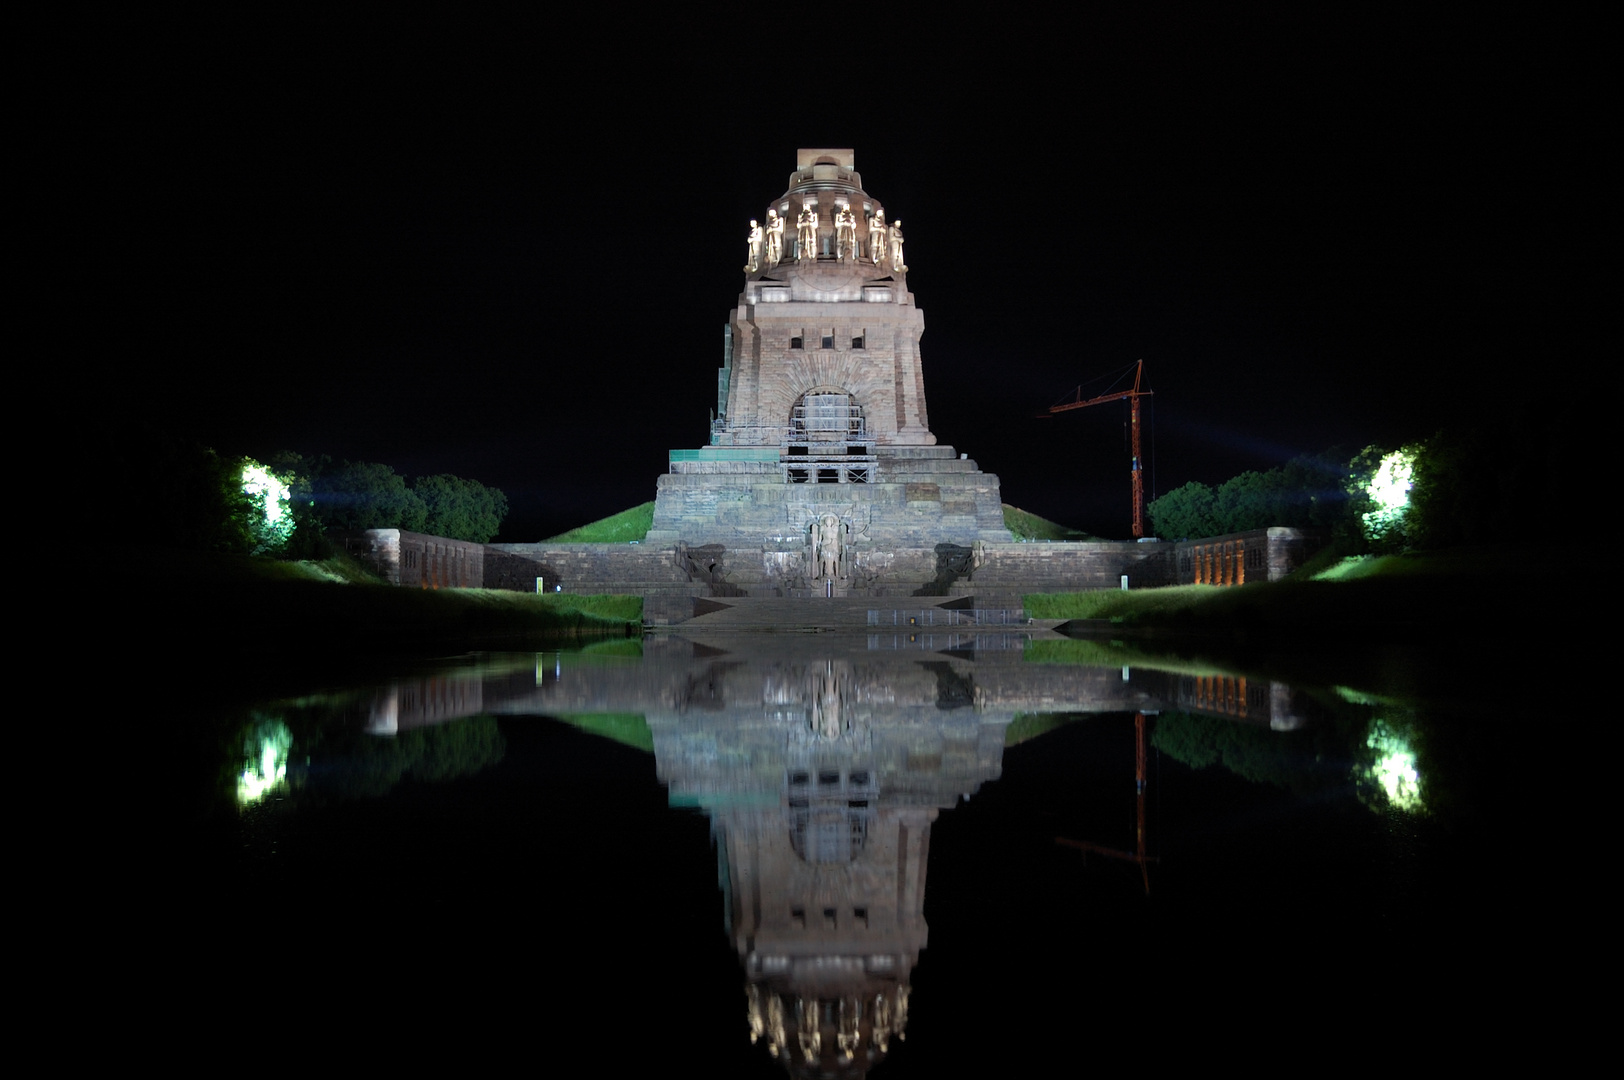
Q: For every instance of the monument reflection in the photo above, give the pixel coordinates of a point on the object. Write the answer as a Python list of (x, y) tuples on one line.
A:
[(821, 762)]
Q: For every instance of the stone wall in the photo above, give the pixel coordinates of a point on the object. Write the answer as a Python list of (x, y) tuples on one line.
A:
[(918, 498), (1237, 558), (418, 560)]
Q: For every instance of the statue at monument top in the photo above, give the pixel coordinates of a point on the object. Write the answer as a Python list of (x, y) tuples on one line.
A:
[(775, 238), (894, 236), (807, 229), (838, 226), (753, 242), (845, 234)]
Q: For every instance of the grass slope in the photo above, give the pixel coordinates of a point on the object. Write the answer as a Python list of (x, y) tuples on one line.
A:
[(1446, 622), (265, 612), (621, 528), (1028, 526)]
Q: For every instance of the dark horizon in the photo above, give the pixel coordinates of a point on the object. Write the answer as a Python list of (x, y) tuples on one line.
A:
[(472, 249)]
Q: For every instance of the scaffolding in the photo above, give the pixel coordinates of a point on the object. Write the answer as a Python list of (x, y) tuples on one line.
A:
[(827, 442)]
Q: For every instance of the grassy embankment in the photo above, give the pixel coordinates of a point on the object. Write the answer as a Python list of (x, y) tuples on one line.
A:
[(1030, 527), (1386, 591), (1409, 623), (263, 610), (621, 528)]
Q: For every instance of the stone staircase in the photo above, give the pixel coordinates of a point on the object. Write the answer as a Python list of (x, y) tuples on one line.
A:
[(858, 614)]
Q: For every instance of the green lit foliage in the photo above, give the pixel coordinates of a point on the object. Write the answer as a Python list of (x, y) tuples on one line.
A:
[(1387, 774), (272, 522), (265, 759), (1307, 492), (362, 766), (1473, 485), (1302, 761), (1387, 493), (359, 495), (366, 495), (1184, 511), (189, 497), (461, 509)]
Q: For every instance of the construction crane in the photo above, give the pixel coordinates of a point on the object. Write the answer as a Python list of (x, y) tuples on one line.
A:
[(1138, 854), (1133, 397)]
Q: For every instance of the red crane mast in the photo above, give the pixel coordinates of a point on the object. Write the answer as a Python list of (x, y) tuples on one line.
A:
[(1133, 395)]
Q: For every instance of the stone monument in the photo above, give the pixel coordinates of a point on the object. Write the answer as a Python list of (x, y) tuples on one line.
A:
[(822, 474)]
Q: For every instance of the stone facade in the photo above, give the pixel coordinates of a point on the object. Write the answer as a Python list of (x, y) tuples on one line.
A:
[(418, 560), (822, 476), (821, 401), (1237, 558)]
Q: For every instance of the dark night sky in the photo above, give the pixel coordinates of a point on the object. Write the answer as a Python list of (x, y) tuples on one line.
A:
[(506, 248)]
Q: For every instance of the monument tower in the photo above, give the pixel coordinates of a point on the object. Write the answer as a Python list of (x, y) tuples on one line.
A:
[(821, 456)]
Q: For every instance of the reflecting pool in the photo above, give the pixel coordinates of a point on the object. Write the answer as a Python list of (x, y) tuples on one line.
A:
[(816, 854)]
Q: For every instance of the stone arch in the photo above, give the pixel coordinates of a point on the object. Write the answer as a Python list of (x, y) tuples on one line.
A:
[(828, 413)]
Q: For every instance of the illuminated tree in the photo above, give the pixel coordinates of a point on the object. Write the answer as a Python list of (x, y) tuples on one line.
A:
[(366, 495), (461, 509), (1183, 512), (1307, 492), (1379, 487), (271, 524)]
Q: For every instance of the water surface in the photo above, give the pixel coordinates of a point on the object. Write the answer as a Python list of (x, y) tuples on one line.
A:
[(948, 854)]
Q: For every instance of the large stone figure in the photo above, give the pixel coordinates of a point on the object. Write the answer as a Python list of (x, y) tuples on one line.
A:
[(807, 233), (894, 235), (753, 241), (876, 238), (845, 234), (828, 546), (775, 238)]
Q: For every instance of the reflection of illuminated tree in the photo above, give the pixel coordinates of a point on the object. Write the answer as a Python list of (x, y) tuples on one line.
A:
[(1386, 769), (338, 759), (265, 760), (1299, 761), (1390, 775), (434, 754)]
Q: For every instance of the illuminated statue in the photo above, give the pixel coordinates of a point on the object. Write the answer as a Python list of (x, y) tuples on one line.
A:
[(848, 1034), (826, 707), (845, 233), (882, 1022), (894, 234), (807, 226), (775, 238), (758, 1023), (775, 1024), (876, 237), (828, 546), (754, 242), (810, 1015)]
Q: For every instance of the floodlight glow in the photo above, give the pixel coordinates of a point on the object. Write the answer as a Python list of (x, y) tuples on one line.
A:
[(271, 495), (266, 765), (1394, 769), (1389, 489)]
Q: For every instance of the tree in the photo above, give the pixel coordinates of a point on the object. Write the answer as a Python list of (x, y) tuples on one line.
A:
[(366, 495), (1308, 492), (272, 523), (1184, 512), (461, 509)]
